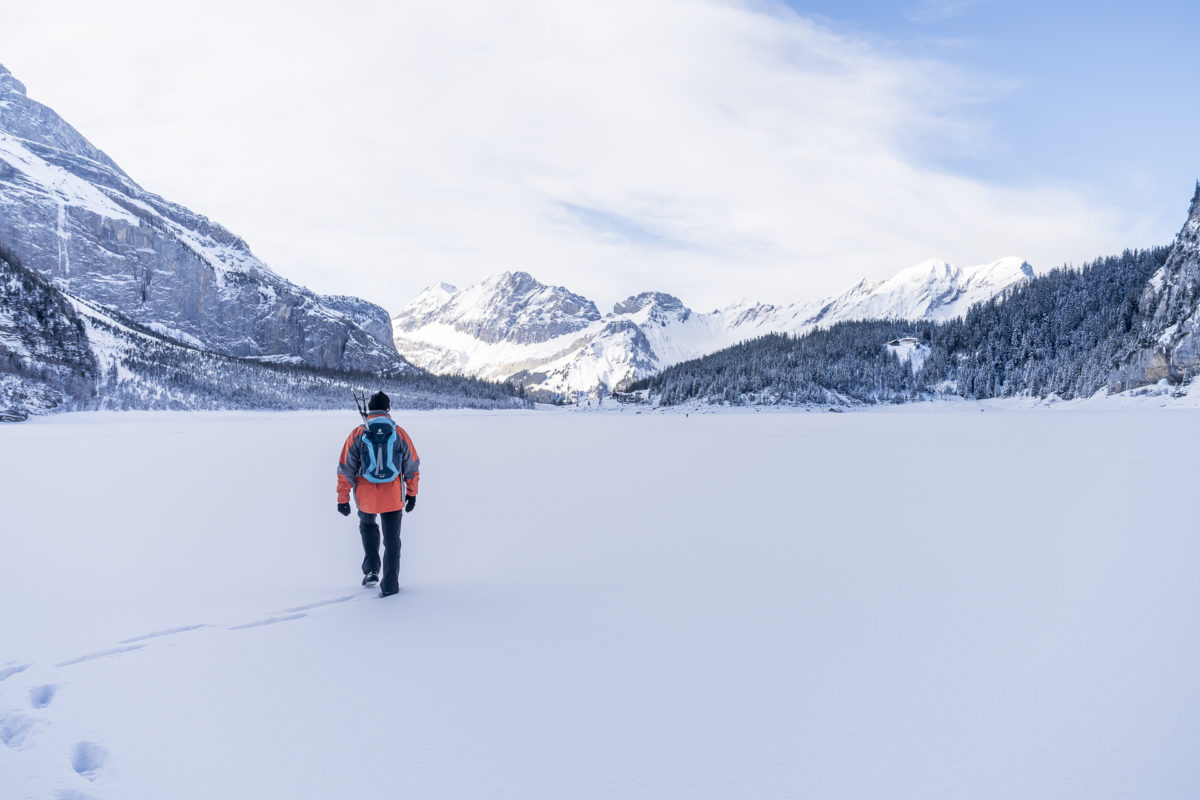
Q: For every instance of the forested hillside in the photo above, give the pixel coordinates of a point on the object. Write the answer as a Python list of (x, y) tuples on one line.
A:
[(1059, 333), (45, 360)]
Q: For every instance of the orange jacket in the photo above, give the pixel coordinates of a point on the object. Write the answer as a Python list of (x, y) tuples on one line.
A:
[(377, 498)]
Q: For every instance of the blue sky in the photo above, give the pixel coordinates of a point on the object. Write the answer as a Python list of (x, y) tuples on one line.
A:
[(713, 149), (1101, 94)]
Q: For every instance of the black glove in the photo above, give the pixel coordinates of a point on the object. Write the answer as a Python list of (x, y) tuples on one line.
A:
[(410, 503), (344, 509)]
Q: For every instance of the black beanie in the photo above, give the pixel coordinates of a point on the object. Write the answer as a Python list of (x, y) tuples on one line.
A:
[(379, 402)]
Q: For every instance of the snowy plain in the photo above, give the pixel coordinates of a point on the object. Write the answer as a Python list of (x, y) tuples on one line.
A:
[(925, 602)]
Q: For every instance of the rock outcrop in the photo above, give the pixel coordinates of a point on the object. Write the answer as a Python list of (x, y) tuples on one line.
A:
[(1168, 346)]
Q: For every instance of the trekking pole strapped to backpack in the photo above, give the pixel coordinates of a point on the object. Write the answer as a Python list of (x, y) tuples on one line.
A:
[(360, 402)]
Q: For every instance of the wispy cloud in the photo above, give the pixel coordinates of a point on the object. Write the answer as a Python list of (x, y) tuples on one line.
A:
[(711, 149), (931, 11), (595, 222)]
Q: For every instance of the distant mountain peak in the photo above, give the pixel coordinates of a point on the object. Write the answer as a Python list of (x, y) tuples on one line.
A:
[(436, 293), (39, 125), (517, 279), (1009, 264), (9, 83), (660, 300), (930, 269), (511, 307)]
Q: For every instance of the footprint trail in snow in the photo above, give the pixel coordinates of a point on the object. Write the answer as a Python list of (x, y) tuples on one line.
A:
[(89, 760)]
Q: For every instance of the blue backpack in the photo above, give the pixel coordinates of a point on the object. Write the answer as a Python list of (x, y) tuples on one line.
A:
[(375, 451)]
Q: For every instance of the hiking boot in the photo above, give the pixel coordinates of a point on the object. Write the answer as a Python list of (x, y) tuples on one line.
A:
[(371, 578)]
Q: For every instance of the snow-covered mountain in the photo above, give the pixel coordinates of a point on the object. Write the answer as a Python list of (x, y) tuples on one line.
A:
[(69, 213), (932, 290), (511, 327), (60, 351)]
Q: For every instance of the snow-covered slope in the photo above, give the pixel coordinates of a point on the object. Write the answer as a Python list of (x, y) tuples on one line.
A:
[(72, 215), (931, 290), (510, 327), (951, 615), (909, 349)]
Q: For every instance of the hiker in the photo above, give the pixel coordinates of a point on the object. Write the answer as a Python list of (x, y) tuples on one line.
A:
[(380, 465)]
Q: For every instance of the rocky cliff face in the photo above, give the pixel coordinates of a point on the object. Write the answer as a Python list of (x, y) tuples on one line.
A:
[(1169, 341), (664, 308), (73, 216)]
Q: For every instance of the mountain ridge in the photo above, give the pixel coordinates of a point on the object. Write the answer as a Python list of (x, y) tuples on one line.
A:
[(61, 352), (556, 343), (75, 217)]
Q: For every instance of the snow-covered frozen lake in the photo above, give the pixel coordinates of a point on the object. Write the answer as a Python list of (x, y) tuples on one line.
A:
[(893, 604)]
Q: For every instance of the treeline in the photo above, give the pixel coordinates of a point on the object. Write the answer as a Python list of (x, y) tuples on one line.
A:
[(156, 373), (1058, 333)]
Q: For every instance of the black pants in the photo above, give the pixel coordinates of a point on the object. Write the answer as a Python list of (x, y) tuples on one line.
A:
[(369, 530)]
